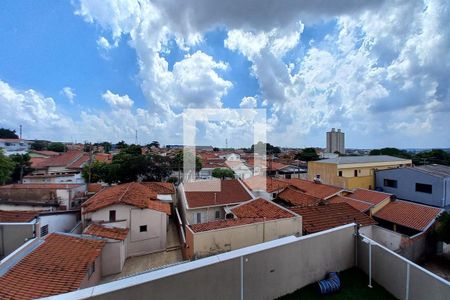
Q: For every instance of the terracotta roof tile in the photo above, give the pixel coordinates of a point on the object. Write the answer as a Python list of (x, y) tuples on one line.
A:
[(63, 160), (358, 204), (373, 197), (408, 214), (160, 188), (57, 266), (133, 193), (17, 216), (107, 232), (256, 183), (323, 217), (318, 190), (227, 192), (295, 197), (260, 208)]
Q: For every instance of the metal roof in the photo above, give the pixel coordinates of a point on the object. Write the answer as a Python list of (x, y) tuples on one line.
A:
[(362, 159), (436, 170)]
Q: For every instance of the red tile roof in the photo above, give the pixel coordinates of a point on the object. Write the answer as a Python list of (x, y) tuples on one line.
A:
[(223, 224), (318, 190), (295, 197), (79, 163), (57, 266), (58, 186), (133, 193), (323, 217), (256, 183), (8, 216), (65, 159), (231, 192), (37, 161), (408, 214), (160, 188), (103, 157), (107, 232), (360, 205), (373, 197), (260, 208)]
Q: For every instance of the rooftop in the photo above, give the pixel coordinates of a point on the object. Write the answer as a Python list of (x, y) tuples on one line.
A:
[(297, 198), (256, 183), (357, 204), (370, 196), (215, 192), (107, 232), (72, 159), (408, 214), (59, 265), (223, 224), (11, 216), (435, 169), (57, 186), (133, 193), (160, 188), (319, 190), (323, 217), (261, 208), (363, 159)]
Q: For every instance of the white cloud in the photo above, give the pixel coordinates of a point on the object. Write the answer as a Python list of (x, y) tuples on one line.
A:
[(103, 43), (69, 93), (248, 102), (117, 101)]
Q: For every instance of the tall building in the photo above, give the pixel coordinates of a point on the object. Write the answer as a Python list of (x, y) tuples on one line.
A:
[(335, 141)]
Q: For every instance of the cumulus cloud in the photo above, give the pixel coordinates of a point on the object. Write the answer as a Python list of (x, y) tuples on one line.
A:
[(117, 101), (248, 102), (69, 93)]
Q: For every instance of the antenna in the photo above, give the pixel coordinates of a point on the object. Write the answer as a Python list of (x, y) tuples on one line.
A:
[(20, 131), (226, 143), (136, 138)]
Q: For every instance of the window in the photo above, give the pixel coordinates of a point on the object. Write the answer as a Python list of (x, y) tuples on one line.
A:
[(274, 195), (44, 230), (355, 173), (217, 214), (199, 218), (390, 183), (112, 215), (143, 228), (340, 173), (91, 269), (424, 188)]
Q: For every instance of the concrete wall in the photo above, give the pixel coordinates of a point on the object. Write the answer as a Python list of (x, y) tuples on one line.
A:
[(57, 222), (391, 271), (113, 257), (388, 238), (207, 214), (406, 186), (212, 242), (265, 271), (95, 277), (14, 236)]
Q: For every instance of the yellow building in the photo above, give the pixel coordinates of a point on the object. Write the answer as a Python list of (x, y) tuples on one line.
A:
[(353, 171)]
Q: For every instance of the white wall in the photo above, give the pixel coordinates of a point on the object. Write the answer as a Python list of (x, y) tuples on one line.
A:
[(388, 238), (113, 257), (58, 222)]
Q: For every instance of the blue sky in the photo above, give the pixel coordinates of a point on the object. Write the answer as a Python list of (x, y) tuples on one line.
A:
[(100, 70)]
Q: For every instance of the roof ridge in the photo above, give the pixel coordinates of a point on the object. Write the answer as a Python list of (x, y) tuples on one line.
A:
[(358, 200), (123, 194)]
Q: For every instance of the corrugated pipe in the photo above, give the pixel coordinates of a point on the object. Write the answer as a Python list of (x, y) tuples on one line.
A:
[(329, 285)]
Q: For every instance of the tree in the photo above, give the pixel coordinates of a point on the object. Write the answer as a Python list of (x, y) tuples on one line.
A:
[(153, 144), (434, 156), (6, 167), (158, 167), (259, 148), (222, 173), (133, 149), (6, 133), (391, 151), (57, 147), (307, 154), (177, 162), (98, 172), (22, 166), (121, 145), (442, 230), (39, 145), (215, 149)]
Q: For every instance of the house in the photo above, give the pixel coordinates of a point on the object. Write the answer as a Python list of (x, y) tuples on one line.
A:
[(281, 170), (291, 196), (315, 188), (63, 168), (14, 146), (428, 184), (254, 221), (133, 206), (265, 187), (58, 263), (42, 153), (323, 217), (351, 172), (367, 201), (17, 227), (165, 191), (42, 196), (204, 201)]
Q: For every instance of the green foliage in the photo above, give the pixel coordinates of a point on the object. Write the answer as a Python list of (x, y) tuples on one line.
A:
[(6, 168), (121, 145), (22, 166), (153, 144), (133, 149), (392, 152), (442, 230), (172, 180), (307, 154), (434, 156), (57, 147), (259, 148), (6, 133), (222, 173), (177, 161), (106, 146), (98, 171), (39, 145), (215, 149), (158, 167)]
